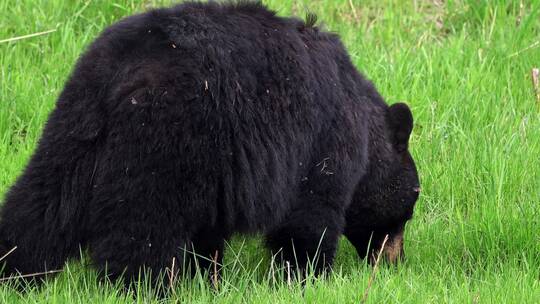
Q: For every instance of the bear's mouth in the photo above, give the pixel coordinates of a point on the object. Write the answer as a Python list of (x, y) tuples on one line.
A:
[(391, 250)]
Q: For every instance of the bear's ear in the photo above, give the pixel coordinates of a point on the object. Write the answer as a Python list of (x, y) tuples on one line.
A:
[(401, 123)]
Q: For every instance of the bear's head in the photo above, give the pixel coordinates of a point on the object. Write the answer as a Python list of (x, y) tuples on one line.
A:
[(384, 199)]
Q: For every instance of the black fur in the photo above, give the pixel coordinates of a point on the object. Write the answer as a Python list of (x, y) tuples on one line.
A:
[(182, 126)]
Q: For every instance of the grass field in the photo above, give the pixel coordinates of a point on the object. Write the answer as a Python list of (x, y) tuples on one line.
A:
[(463, 66)]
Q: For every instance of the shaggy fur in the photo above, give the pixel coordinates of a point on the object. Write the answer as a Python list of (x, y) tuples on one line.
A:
[(182, 126)]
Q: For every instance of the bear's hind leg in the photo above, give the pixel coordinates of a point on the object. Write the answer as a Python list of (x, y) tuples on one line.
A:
[(41, 219), (43, 212), (139, 251)]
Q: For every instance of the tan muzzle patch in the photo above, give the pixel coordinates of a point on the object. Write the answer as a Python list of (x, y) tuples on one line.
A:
[(394, 247)]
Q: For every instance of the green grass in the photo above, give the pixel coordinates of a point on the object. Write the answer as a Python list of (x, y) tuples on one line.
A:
[(464, 67)]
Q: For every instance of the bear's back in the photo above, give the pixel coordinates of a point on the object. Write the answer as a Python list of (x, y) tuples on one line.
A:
[(243, 56), (236, 97)]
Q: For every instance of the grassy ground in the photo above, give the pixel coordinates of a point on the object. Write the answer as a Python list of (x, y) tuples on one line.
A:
[(465, 69)]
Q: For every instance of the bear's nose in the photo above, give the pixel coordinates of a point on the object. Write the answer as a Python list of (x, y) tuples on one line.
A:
[(417, 189)]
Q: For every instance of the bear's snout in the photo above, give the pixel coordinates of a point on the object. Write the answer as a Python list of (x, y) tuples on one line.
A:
[(393, 251)]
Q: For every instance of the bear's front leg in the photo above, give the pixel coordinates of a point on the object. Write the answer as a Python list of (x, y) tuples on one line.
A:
[(208, 251), (308, 238)]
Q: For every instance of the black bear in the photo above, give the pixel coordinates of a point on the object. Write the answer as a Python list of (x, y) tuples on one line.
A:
[(181, 126)]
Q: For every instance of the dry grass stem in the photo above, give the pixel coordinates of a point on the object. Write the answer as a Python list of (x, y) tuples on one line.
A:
[(289, 280), (532, 46), (353, 10), (520, 14), (535, 73), (30, 275), (8, 253), (27, 36), (374, 271), (215, 273), (172, 274)]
